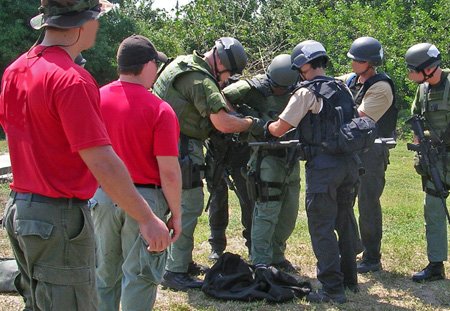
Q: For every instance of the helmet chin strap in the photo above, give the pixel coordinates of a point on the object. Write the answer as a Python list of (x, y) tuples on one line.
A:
[(428, 77), (217, 73)]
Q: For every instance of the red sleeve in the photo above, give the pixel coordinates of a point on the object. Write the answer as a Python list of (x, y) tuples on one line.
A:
[(167, 132), (79, 110)]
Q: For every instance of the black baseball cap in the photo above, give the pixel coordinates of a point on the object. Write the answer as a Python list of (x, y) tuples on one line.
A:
[(138, 50)]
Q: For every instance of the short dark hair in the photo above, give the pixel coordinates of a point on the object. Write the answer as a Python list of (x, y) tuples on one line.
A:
[(319, 62), (131, 70)]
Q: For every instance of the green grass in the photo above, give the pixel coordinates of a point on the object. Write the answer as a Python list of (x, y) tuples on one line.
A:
[(3, 146), (403, 248)]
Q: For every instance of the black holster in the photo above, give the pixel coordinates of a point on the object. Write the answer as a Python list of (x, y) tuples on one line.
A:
[(190, 173)]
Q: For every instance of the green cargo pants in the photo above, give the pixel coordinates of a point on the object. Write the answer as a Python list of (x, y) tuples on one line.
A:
[(180, 252), (126, 271), (435, 217), (274, 221), (54, 246)]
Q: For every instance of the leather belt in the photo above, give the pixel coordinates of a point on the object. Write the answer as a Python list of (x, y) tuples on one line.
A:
[(151, 186), (33, 197)]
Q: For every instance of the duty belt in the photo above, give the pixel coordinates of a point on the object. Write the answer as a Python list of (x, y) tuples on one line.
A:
[(151, 186)]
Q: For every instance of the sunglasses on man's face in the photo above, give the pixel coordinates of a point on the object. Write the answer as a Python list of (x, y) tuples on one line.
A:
[(359, 61)]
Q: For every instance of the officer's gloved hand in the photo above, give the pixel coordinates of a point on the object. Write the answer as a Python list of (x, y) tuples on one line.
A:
[(257, 127), (422, 171), (267, 135)]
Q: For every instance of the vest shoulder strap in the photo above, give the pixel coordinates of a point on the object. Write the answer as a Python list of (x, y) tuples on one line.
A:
[(320, 86), (189, 65), (371, 81), (445, 98), (261, 84), (351, 80)]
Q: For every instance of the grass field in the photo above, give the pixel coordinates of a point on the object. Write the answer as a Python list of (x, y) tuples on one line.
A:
[(404, 252)]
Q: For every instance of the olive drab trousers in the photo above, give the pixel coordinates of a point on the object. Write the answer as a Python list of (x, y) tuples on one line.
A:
[(331, 183), (274, 220), (180, 252), (126, 272), (371, 187), (435, 217), (53, 243)]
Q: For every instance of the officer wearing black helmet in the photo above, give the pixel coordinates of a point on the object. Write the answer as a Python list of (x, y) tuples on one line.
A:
[(330, 178), (192, 85), (374, 96), (263, 96), (432, 101)]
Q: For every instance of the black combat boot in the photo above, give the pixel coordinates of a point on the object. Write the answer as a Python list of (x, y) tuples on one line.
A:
[(286, 266), (321, 296), (180, 281), (368, 266), (433, 272), (196, 269)]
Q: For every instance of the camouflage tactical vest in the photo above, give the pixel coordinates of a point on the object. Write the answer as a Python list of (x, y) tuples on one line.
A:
[(263, 100), (192, 123), (435, 106)]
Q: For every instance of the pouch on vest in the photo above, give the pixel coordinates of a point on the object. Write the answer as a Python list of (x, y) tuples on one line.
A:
[(357, 135)]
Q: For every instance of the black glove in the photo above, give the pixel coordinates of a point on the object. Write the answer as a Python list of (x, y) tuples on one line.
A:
[(257, 127), (267, 135)]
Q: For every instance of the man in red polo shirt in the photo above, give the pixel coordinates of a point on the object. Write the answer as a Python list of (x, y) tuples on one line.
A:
[(144, 132), (59, 146)]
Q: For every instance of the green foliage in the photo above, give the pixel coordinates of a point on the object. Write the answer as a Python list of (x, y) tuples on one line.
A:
[(265, 27), (16, 35)]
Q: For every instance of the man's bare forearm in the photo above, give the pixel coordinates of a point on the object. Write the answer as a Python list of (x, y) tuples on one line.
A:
[(170, 174)]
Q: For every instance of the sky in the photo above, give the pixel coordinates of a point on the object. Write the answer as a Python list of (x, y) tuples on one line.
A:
[(168, 4)]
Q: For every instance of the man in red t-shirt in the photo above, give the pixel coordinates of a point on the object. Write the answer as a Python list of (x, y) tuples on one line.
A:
[(144, 132), (59, 146)]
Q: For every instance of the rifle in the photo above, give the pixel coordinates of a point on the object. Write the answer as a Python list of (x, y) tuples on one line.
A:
[(221, 163), (389, 142), (276, 144), (428, 155)]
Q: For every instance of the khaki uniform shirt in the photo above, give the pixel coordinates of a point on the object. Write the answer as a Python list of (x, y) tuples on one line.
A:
[(300, 103), (377, 99)]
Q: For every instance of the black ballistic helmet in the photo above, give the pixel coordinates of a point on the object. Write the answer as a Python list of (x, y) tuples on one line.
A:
[(231, 54), (422, 56), (280, 71), (306, 51), (367, 49)]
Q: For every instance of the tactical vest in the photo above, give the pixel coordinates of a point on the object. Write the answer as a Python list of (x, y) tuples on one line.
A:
[(264, 101), (192, 123), (387, 123), (316, 129), (435, 105)]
